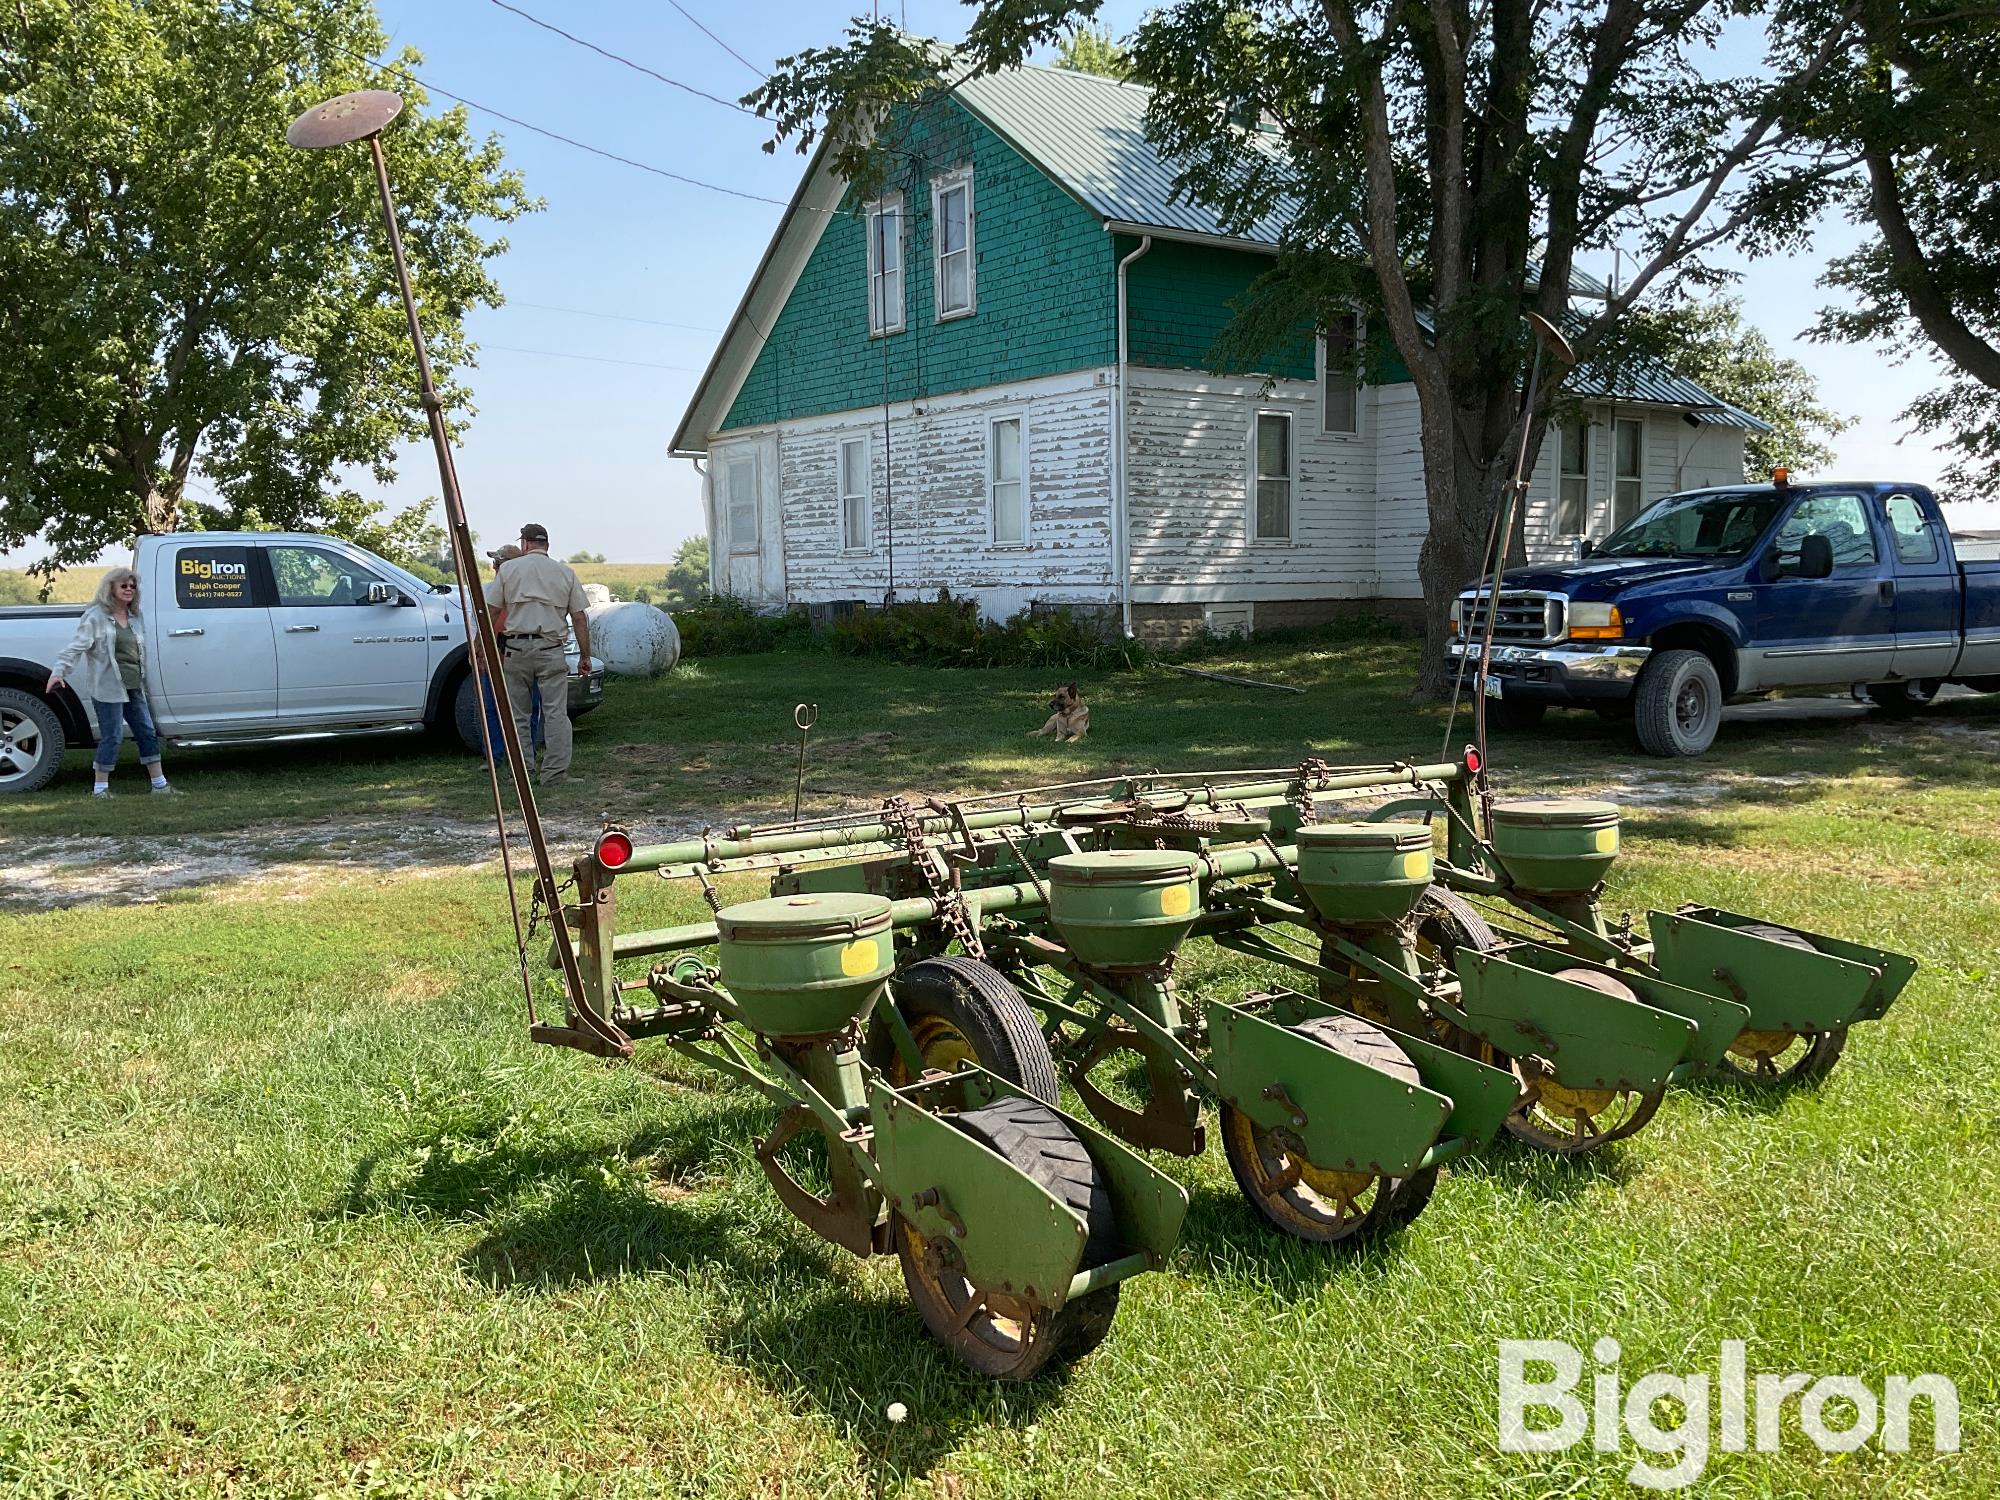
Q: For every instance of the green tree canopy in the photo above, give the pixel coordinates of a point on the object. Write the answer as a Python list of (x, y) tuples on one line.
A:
[(1918, 103), (1089, 48), (1444, 167), (185, 294), (687, 579), (1710, 340)]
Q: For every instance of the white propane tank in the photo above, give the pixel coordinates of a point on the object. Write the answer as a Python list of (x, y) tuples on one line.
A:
[(633, 640), (596, 593)]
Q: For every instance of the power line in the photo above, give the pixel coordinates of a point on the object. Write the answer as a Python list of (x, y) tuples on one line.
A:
[(624, 61), (584, 312), (397, 71), (596, 359), (718, 40)]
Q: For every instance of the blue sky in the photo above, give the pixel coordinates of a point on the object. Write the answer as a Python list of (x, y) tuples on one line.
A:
[(575, 434)]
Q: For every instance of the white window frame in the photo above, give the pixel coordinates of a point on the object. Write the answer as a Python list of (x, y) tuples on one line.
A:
[(1581, 476), (993, 482), (849, 542), (882, 318), (738, 544), (952, 182), (1252, 478), (1325, 389), (1619, 516)]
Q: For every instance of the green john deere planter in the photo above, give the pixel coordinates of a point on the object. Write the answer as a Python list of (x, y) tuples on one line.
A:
[(919, 982)]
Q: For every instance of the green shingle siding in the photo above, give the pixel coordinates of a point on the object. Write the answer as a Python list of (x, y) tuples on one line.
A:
[(1177, 302), (1045, 300)]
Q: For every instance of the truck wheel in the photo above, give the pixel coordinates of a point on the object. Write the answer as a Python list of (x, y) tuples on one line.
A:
[(465, 714), (31, 742), (1906, 697), (1678, 705), (1515, 713)]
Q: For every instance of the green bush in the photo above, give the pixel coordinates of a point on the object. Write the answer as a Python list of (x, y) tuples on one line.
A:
[(724, 625)]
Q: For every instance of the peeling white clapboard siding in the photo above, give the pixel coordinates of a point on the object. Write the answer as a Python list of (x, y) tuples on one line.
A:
[(934, 461), (1188, 486), (1402, 511)]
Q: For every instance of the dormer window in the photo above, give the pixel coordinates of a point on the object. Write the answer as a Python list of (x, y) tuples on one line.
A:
[(885, 265), (951, 239)]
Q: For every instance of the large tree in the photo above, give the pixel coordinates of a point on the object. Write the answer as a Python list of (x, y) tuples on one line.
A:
[(183, 294), (1917, 99), (1710, 340), (1447, 164)]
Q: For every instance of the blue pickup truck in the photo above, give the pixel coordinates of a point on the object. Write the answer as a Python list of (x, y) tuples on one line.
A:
[(1720, 595)]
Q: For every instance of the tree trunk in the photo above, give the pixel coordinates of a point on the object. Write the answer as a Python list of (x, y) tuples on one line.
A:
[(1462, 495), (160, 511)]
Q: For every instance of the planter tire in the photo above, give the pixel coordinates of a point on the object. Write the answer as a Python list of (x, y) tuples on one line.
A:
[(1678, 705), (958, 1007)]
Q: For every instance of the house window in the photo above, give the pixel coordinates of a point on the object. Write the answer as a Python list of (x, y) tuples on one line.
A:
[(1271, 463), (1572, 511), (1007, 490), (951, 222), (854, 494), (1340, 387), (739, 492), (1628, 487), (885, 265)]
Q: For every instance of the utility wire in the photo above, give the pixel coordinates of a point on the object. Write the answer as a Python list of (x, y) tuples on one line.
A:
[(596, 359), (584, 312), (624, 61), (397, 71), (676, 4)]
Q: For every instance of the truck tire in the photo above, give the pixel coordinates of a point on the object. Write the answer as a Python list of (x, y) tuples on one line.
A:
[(1678, 705), (465, 714), (1906, 697), (31, 742)]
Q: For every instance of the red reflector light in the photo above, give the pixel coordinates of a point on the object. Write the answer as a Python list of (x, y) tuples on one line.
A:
[(614, 849), (1472, 759)]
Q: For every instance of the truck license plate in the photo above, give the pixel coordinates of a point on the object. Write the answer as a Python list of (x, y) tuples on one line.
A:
[(1492, 686)]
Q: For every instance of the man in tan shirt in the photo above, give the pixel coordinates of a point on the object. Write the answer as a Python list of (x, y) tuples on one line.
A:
[(533, 598)]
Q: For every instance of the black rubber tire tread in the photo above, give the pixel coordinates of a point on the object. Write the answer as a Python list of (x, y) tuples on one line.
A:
[(1450, 922), (1515, 713), (1040, 1143), (54, 742), (465, 714), (1653, 702), (987, 1010), (1826, 1047), (1364, 1042), (1908, 697)]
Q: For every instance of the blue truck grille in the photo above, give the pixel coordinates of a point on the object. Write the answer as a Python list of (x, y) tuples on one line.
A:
[(1527, 616)]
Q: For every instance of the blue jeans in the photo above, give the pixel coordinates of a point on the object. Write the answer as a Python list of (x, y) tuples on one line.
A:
[(535, 719), (111, 721)]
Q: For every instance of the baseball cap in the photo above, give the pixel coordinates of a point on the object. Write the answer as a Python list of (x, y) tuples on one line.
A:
[(504, 554), (533, 533)]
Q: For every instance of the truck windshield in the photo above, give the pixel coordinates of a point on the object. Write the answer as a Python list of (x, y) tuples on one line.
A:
[(1709, 525)]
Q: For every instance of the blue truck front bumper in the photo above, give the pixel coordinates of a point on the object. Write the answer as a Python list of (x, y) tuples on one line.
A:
[(1585, 674)]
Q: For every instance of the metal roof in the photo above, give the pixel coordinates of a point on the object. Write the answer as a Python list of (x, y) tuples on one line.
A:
[(1089, 134)]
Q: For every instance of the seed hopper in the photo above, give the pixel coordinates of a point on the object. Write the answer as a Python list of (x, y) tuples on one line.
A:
[(1435, 968)]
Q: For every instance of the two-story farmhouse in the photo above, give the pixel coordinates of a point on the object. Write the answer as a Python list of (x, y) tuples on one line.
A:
[(993, 380)]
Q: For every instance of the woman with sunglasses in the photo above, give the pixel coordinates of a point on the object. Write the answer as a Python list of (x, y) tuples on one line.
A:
[(107, 660)]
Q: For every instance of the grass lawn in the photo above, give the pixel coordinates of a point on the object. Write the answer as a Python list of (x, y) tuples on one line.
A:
[(291, 1206)]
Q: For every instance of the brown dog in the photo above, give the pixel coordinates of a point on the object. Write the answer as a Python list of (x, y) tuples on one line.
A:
[(1070, 719)]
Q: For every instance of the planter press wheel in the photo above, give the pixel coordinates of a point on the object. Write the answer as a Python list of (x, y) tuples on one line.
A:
[(1550, 1117), (1319, 1204), (961, 1010), (1003, 1335), (1778, 1057)]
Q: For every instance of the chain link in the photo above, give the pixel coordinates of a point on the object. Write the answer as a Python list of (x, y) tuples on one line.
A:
[(942, 887)]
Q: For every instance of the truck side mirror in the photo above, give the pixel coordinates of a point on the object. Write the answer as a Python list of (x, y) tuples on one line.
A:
[(1770, 567), (1815, 557), (381, 593)]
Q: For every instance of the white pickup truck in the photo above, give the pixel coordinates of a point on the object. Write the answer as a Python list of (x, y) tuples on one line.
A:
[(258, 635)]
